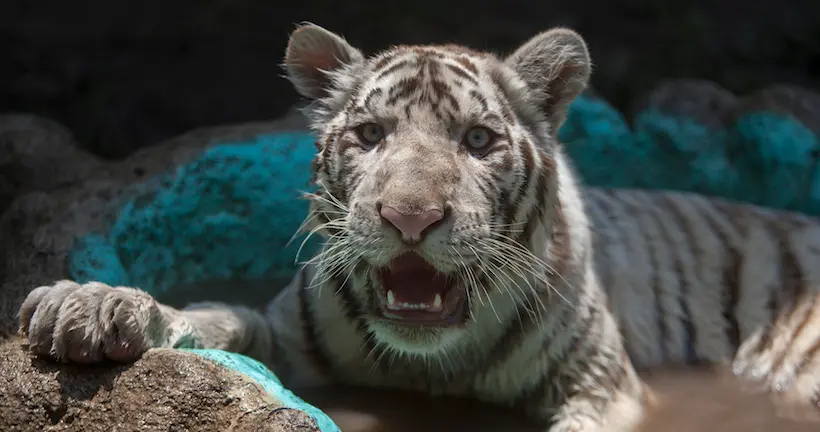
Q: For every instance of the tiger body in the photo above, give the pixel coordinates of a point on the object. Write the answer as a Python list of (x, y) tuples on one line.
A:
[(439, 160), (716, 273), (695, 279)]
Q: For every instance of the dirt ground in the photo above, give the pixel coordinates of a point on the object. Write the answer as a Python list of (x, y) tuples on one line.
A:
[(715, 402), (708, 401)]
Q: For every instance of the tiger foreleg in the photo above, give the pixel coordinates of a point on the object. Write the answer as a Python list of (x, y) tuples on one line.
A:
[(601, 393), (92, 322)]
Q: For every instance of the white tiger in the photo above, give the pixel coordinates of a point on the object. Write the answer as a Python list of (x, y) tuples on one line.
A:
[(459, 256)]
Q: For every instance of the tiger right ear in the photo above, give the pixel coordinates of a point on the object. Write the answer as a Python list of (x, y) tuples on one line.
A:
[(555, 65), (313, 53)]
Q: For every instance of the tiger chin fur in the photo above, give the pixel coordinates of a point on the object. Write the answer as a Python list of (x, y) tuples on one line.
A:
[(564, 288)]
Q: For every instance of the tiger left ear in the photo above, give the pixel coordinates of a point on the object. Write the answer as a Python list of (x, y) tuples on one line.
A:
[(312, 53), (555, 65)]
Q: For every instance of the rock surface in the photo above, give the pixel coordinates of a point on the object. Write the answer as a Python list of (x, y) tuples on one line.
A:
[(166, 390), (41, 396)]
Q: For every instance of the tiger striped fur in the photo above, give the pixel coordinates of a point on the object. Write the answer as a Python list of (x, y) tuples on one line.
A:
[(536, 316), (694, 279)]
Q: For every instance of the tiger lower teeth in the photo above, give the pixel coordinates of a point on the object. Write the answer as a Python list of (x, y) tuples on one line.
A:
[(393, 304)]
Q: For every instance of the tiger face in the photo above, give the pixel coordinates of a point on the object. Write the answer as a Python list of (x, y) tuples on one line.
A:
[(436, 173)]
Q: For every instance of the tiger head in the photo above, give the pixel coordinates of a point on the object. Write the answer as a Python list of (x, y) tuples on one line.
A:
[(438, 174)]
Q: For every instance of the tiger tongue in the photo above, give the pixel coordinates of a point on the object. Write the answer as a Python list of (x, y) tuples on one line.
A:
[(411, 280)]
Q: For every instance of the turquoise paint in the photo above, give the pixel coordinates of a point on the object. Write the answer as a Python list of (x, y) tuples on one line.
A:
[(776, 153), (228, 214), (270, 382), (683, 155), (597, 139)]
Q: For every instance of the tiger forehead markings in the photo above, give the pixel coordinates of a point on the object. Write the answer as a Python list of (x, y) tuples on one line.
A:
[(459, 257), (430, 92)]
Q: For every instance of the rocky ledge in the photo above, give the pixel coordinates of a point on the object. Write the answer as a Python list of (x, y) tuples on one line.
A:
[(39, 395)]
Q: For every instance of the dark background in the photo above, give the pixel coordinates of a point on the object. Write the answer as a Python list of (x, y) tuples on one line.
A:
[(122, 74)]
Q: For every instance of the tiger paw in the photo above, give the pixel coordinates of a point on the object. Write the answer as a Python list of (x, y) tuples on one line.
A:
[(785, 360), (90, 323)]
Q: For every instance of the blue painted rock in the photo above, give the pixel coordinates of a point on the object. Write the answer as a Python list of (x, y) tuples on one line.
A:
[(760, 149)]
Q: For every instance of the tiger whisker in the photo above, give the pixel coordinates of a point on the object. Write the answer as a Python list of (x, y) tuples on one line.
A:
[(333, 200), (462, 264), (492, 276), (522, 260), (338, 224), (496, 276), (464, 273), (510, 241)]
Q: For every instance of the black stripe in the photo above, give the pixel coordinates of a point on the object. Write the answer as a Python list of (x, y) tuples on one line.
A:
[(807, 357), (367, 102), (585, 348), (516, 330), (790, 288), (536, 213), (393, 68), (526, 322), (486, 189), (521, 189), (443, 91), (384, 61), (685, 289), (354, 314), (323, 215), (403, 89), (655, 279), (553, 387), (731, 276), (478, 97), (462, 73)]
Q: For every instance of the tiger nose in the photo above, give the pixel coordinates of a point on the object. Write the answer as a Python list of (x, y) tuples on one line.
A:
[(411, 225)]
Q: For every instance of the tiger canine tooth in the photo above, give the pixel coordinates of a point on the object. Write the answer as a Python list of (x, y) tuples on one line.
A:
[(437, 301), (391, 299)]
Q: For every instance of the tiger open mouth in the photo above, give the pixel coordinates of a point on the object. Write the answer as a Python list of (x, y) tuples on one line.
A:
[(414, 292)]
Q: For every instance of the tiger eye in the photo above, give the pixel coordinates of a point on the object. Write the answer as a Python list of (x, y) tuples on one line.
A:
[(370, 134), (478, 138)]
